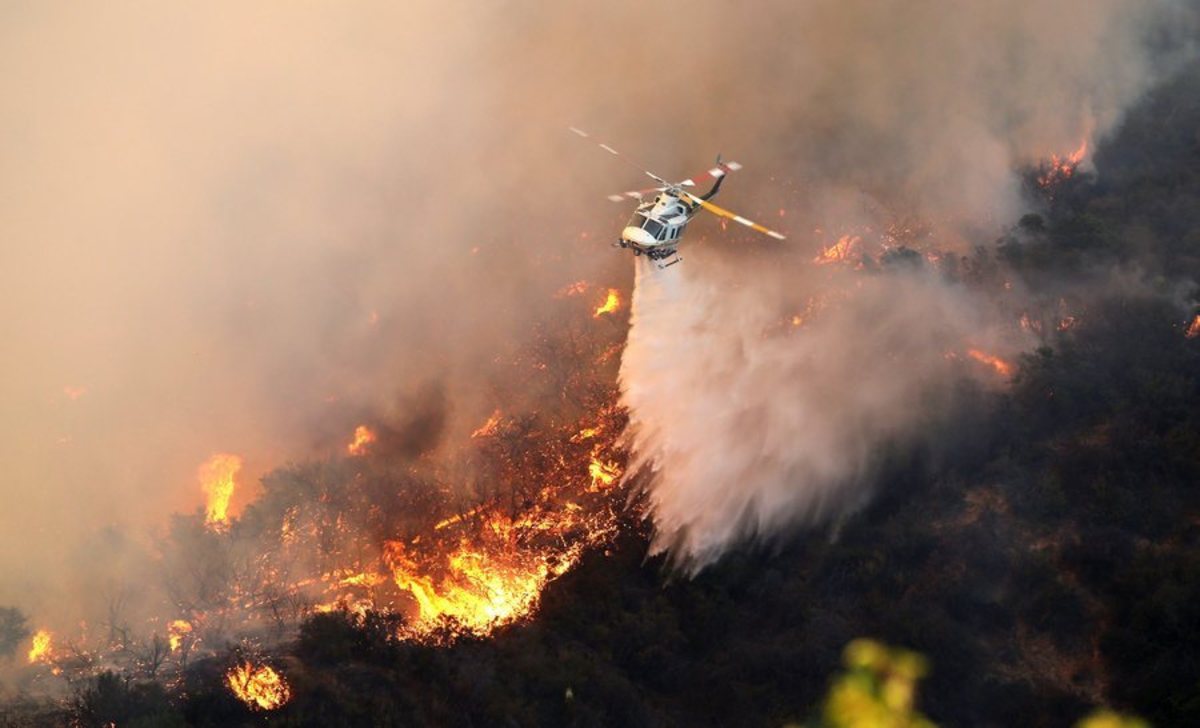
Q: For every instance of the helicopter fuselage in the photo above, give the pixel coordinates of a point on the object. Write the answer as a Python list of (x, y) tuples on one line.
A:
[(657, 226)]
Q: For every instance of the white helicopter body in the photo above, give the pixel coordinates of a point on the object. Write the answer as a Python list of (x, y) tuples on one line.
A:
[(657, 225)]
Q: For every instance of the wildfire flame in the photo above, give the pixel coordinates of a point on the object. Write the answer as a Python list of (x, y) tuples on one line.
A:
[(1062, 168), (587, 433), (603, 474), (472, 557), (457, 518), (487, 429), (363, 437), (478, 591), (216, 478), (490, 570), (839, 251), (612, 302), (40, 650), (177, 631), (1194, 329), (1002, 367), (258, 686)]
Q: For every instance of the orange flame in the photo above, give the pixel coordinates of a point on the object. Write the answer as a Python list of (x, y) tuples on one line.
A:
[(216, 478), (1062, 168), (1002, 367), (457, 518), (493, 573), (1194, 329), (258, 686), (603, 474), (177, 631), (364, 579), (611, 303), (40, 649), (487, 429), (363, 437), (839, 251), (479, 590), (587, 433)]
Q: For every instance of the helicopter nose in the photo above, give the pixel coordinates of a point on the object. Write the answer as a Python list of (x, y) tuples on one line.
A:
[(637, 236)]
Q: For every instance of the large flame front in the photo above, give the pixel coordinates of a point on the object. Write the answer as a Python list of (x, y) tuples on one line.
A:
[(258, 686), (216, 478), (40, 649)]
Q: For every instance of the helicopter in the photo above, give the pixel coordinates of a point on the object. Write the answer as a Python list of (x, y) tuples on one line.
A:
[(657, 225)]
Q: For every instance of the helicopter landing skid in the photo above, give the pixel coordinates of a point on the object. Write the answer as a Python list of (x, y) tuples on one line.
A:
[(660, 257)]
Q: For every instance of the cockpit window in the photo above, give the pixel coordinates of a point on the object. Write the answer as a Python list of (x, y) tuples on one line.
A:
[(655, 228)]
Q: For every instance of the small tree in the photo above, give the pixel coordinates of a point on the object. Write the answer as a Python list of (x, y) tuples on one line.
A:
[(13, 630)]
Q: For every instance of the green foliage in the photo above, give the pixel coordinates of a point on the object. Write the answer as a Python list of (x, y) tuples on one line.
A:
[(878, 689)]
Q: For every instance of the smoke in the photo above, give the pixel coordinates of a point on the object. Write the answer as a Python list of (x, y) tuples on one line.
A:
[(751, 423), (234, 229), (909, 115)]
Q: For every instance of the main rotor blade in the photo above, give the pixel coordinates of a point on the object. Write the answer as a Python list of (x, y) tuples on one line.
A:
[(622, 157), (722, 212), (635, 194)]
